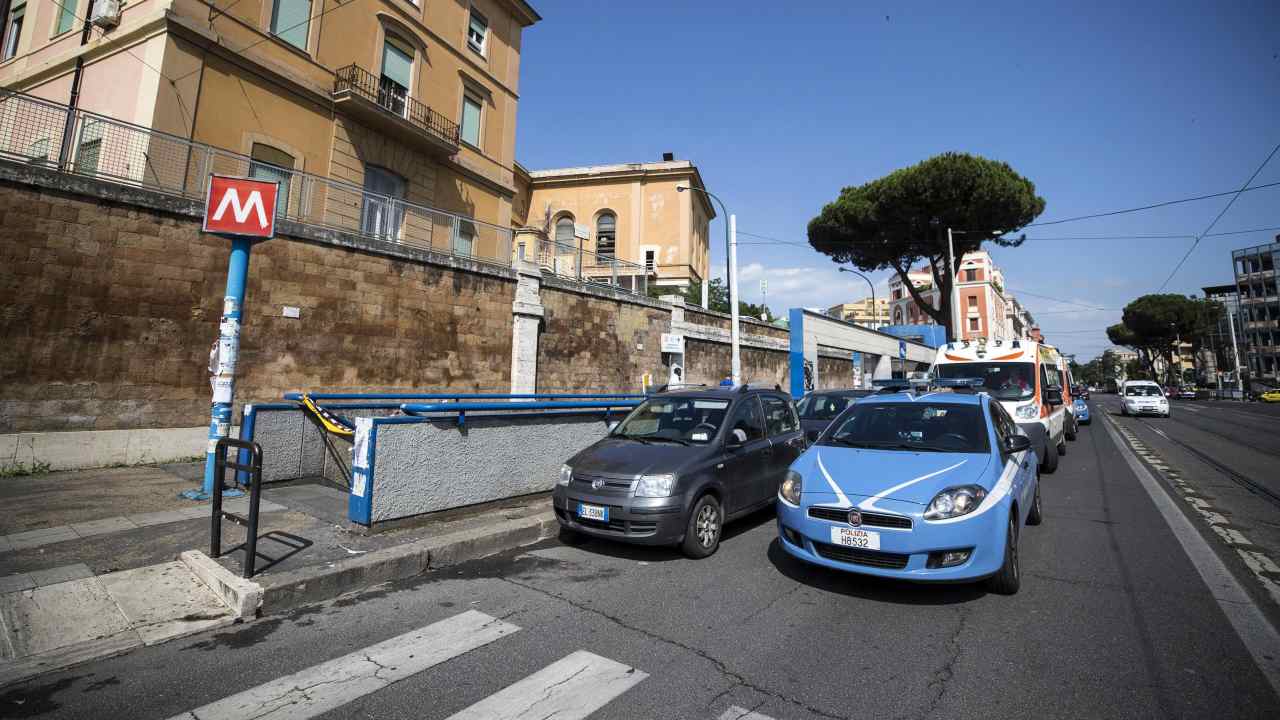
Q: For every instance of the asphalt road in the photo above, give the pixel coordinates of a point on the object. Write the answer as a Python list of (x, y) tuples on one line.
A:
[(1113, 620), (1228, 455)]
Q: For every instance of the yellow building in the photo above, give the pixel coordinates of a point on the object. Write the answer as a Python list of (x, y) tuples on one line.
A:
[(412, 100), (862, 312), (619, 222)]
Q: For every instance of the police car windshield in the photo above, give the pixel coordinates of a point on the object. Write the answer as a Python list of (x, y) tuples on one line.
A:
[(822, 407), (1005, 381), (913, 427), (675, 419)]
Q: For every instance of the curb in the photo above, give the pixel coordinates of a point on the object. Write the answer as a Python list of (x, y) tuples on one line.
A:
[(306, 586), (244, 597)]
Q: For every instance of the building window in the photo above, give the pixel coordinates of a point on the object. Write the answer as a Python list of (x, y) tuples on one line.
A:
[(605, 235), (974, 324), (970, 275), (650, 260), (470, 118), (564, 231), (291, 21), (397, 75), (477, 32), (90, 151), (383, 211), (66, 17), (276, 165), (13, 29), (973, 301), (464, 238)]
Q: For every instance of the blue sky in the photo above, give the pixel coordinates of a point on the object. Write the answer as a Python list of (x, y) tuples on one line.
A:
[(1102, 105)]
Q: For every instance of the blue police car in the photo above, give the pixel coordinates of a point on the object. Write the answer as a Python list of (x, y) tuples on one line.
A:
[(926, 485)]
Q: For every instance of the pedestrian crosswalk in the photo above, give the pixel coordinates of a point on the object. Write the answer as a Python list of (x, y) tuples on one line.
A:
[(571, 688)]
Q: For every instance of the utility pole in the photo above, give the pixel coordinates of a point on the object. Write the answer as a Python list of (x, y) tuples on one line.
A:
[(1235, 353), (951, 271), (733, 299), (764, 299)]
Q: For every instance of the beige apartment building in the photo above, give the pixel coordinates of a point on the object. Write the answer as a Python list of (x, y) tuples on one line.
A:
[(867, 312), (414, 100), (618, 222)]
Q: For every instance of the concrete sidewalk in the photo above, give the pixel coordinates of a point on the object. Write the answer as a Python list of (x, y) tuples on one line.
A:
[(94, 563)]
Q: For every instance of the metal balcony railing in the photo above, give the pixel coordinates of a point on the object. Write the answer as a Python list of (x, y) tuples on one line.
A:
[(395, 100)]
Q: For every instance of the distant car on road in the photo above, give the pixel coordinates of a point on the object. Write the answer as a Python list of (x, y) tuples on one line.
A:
[(679, 467), (1186, 392), (1080, 391), (1082, 411), (1143, 397), (818, 409), (1270, 396), (935, 486)]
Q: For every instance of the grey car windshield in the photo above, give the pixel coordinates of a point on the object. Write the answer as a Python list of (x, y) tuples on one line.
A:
[(679, 419), (915, 427), (822, 407), (1005, 381)]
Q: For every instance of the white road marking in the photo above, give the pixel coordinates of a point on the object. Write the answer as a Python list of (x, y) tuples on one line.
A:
[(320, 688), (1257, 634), (736, 713), (568, 689)]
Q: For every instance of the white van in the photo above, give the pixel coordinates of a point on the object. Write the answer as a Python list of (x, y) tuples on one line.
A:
[(1026, 377), (1143, 397)]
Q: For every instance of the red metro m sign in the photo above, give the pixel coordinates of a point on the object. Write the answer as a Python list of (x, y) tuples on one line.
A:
[(240, 206)]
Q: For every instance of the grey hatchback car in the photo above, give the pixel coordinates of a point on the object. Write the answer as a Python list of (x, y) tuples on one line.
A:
[(679, 467)]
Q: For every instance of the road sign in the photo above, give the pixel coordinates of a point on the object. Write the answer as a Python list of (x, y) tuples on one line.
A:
[(902, 349), (240, 206), (672, 343)]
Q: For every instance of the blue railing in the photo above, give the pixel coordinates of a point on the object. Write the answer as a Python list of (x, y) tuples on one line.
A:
[(462, 396), (498, 409)]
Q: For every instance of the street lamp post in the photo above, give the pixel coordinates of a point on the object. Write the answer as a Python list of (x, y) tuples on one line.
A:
[(731, 279), (728, 276), (875, 309)]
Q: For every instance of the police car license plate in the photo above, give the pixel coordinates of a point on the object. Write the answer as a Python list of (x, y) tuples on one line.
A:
[(593, 512), (855, 538)]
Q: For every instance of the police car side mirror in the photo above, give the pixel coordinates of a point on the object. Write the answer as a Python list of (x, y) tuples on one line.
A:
[(737, 438), (1016, 444)]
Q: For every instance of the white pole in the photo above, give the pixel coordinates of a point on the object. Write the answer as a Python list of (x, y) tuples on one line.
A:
[(733, 298), (706, 295), (951, 270), (1235, 354)]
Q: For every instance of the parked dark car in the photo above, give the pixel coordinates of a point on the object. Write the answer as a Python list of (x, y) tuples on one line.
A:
[(818, 409), (679, 466)]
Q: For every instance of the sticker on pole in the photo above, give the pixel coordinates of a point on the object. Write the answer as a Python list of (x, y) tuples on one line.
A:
[(240, 206)]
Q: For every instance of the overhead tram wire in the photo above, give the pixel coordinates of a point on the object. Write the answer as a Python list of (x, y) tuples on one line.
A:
[(1218, 217), (1166, 203)]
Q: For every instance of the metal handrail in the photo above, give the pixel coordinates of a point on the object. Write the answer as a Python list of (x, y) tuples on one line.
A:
[(395, 100)]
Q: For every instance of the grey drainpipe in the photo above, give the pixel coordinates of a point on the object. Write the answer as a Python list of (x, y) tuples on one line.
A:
[(64, 156)]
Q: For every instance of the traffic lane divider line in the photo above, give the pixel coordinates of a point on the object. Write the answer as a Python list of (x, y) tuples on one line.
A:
[(1261, 565), (332, 684), (1255, 632)]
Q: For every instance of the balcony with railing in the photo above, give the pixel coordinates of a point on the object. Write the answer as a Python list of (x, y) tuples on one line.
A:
[(386, 106)]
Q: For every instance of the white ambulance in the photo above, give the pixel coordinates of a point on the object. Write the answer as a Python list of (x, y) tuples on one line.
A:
[(1026, 377)]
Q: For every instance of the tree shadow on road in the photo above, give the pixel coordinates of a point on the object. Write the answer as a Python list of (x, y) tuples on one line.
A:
[(870, 587)]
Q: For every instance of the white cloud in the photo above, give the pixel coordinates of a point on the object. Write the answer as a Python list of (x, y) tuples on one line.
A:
[(804, 286)]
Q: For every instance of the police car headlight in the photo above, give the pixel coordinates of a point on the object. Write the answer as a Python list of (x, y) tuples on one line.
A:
[(1026, 412), (655, 485), (954, 502), (566, 474), (789, 491)]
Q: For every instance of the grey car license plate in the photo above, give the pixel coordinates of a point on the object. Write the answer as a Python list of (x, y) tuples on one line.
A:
[(593, 512)]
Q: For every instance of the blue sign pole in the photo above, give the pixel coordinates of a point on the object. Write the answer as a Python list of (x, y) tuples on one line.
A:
[(224, 372)]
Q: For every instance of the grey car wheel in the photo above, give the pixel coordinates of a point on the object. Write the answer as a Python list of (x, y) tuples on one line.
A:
[(702, 536)]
